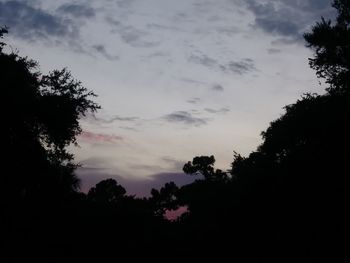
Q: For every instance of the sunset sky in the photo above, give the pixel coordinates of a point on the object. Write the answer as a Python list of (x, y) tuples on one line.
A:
[(175, 79)]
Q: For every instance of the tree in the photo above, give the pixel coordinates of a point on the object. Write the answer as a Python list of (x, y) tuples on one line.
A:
[(331, 43), (2, 32), (291, 192), (107, 191), (310, 141), (298, 174), (204, 165), (41, 116), (164, 199)]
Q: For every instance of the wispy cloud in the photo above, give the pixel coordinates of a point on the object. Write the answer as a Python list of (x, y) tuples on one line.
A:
[(194, 100), (77, 10), (105, 120), (288, 19), (218, 87), (193, 81), (155, 26), (131, 35), (124, 3), (128, 128), (121, 118), (216, 111), (174, 164), (274, 50), (146, 168), (31, 23), (101, 49), (204, 60), (135, 186), (184, 117), (239, 67), (92, 137)]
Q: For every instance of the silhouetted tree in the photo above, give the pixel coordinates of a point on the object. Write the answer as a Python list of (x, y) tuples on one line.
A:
[(204, 165), (290, 193), (330, 41), (107, 191), (164, 199), (298, 173), (2, 32), (41, 118)]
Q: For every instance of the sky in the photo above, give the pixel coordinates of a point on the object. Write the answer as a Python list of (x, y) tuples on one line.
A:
[(175, 79)]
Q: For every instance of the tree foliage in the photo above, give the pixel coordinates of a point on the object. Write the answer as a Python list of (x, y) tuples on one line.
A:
[(107, 191), (40, 119), (331, 43), (204, 165), (2, 32)]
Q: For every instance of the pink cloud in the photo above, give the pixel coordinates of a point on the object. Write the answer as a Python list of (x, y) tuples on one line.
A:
[(92, 137)]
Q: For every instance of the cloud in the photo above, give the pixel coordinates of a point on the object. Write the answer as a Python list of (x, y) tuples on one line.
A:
[(102, 50), (91, 137), (229, 31), (95, 169), (194, 100), (184, 117), (140, 187), (218, 111), (32, 23), (179, 179), (158, 54), (90, 176), (131, 35), (129, 128), (162, 27), (120, 118), (146, 167), (115, 118), (288, 19), (239, 67), (174, 164), (143, 187), (77, 10), (309, 5), (218, 87), (204, 60), (274, 50), (273, 20), (277, 26), (112, 21), (193, 81), (124, 3)]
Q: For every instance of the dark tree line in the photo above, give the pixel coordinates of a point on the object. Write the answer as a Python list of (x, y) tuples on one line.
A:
[(285, 202)]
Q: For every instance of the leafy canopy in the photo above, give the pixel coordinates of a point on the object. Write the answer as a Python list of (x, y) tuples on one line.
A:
[(41, 114), (331, 44)]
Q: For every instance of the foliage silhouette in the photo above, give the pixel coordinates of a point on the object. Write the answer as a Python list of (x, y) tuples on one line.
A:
[(41, 120), (203, 165), (2, 32), (107, 191), (38, 185), (294, 184), (332, 51), (164, 199)]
